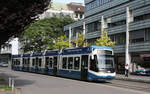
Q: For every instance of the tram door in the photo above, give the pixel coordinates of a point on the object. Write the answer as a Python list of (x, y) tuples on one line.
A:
[(84, 67), (55, 66)]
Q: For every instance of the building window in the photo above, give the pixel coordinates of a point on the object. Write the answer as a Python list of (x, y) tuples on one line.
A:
[(120, 39), (76, 15), (95, 4), (122, 22), (92, 27), (147, 34), (142, 17), (81, 16), (137, 36)]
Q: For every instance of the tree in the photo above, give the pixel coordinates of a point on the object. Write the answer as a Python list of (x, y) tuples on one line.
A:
[(61, 43), (104, 40), (80, 41), (42, 34), (17, 14)]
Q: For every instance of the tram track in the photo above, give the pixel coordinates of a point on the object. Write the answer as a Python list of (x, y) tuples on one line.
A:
[(130, 85)]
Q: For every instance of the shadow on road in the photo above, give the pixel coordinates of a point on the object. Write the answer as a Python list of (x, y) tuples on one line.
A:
[(23, 82), (18, 82)]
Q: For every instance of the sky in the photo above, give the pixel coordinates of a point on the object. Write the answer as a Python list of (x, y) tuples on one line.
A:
[(68, 1)]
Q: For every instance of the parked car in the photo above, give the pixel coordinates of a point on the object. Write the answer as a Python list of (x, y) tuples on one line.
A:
[(142, 71), (4, 64), (145, 72)]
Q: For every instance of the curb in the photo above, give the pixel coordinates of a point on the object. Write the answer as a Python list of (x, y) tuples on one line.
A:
[(134, 80)]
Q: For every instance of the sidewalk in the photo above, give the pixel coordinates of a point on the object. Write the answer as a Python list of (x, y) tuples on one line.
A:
[(135, 78), (6, 92)]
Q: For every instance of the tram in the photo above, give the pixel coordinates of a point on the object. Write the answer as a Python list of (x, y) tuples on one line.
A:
[(94, 63)]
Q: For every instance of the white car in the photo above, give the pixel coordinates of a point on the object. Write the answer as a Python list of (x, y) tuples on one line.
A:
[(3, 64)]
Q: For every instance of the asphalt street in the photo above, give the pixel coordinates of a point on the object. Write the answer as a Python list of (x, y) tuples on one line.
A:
[(31, 83)]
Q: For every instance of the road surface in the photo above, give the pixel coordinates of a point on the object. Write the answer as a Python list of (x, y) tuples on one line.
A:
[(31, 83)]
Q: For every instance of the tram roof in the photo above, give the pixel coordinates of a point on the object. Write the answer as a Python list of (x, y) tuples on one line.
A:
[(37, 54), (83, 50), (52, 53), (101, 47), (16, 56), (26, 55)]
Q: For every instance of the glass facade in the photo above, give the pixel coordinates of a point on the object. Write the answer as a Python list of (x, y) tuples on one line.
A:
[(142, 17), (147, 34), (122, 22), (120, 39), (92, 27), (95, 4)]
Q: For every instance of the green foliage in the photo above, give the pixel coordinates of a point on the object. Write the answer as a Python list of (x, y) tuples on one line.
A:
[(80, 41), (104, 40), (5, 88), (16, 14), (61, 43), (43, 33)]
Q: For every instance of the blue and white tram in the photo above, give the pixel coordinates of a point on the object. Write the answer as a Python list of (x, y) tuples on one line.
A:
[(51, 62), (88, 63), (16, 62), (85, 63), (26, 62), (36, 64)]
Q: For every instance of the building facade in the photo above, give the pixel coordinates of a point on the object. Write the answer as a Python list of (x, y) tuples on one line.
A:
[(78, 10), (74, 10), (114, 13), (5, 54)]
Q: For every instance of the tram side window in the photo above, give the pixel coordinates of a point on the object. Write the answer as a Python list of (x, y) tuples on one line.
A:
[(36, 61), (93, 64), (64, 63), (70, 62), (28, 61), (23, 61), (40, 62), (33, 62), (47, 61), (51, 62), (18, 62), (14, 62), (76, 63)]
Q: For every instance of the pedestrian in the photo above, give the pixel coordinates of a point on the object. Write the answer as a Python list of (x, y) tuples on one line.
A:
[(126, 70)]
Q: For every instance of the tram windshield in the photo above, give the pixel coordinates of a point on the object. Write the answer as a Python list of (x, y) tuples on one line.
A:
[(103, 62)]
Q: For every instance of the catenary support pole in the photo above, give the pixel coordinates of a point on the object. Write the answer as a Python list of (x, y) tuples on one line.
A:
[(129, 18), (84, 31), (102, 24), (70, 36)]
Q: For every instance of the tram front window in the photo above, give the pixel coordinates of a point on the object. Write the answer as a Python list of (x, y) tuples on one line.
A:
[(105, 63), (102, 63)]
